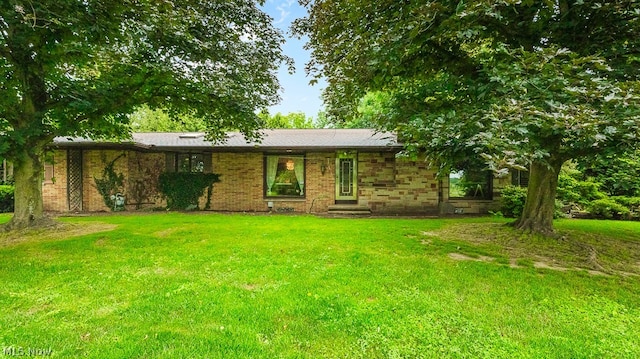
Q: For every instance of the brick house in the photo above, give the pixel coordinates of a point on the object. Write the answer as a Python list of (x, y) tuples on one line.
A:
[(297, 170)]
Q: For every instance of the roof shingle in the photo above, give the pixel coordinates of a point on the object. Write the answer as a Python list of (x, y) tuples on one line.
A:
[(280, 139)]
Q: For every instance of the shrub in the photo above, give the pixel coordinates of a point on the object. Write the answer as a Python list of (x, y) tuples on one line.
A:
[(608, 208), (6, 198), (512, 201), (574, 191), (182, 189), (633, 203)]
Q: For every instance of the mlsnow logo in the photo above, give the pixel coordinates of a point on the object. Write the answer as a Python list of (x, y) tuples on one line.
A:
[(16, 351)]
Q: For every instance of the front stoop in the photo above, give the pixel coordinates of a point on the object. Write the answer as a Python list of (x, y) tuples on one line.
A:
[(349, 209)]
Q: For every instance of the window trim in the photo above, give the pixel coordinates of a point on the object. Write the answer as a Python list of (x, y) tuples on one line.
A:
[(304, 176)]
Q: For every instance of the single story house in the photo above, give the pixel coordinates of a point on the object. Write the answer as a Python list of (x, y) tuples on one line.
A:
[(289, 170)]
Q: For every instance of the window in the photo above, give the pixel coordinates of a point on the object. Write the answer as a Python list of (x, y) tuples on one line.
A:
[(284, 176), (520, 178), (188, 162), (470, 184)]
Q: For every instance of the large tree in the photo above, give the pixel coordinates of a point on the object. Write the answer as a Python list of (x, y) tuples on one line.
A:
[(525, 84), (77, 68)]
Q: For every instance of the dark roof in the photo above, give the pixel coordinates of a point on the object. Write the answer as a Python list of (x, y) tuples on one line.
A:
[(283, 139)]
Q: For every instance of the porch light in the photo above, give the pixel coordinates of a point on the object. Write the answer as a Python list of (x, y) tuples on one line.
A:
[(290, 165)]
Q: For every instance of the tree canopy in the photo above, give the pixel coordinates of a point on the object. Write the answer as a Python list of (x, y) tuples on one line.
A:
[(524, 84), (290, 120), (145, 119), (77, 68)]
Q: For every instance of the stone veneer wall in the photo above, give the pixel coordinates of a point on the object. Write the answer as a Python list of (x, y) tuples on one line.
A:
[(387, 184)]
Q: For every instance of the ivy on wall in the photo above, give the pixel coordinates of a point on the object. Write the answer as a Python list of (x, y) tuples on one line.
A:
[(183, 189), (110, 184), (142, 184)]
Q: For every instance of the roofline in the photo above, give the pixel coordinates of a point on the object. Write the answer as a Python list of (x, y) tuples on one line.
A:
[(213, 148)]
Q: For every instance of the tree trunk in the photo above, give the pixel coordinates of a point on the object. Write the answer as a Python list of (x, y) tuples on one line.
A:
[(539, 207), (28, 175)]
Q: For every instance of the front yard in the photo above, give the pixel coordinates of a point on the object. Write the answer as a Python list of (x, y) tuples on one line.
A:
[(240, 286)]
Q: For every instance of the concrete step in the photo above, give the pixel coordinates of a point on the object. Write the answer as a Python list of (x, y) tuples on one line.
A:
[(349, 209)]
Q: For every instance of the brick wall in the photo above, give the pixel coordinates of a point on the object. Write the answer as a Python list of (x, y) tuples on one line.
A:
[(141, 185), (94, 162), (241, 186), (54, 190), (320, 188)]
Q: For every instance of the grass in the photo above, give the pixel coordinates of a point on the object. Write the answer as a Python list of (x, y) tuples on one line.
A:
[(217, 286)]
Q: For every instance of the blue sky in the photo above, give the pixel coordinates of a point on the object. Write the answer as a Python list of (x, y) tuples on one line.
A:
[(298, 95)]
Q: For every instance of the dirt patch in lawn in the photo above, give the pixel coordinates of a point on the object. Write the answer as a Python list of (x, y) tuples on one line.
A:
[(569, 250), (60, 231)]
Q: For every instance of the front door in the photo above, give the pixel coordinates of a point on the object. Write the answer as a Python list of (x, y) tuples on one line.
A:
[(347, 177)]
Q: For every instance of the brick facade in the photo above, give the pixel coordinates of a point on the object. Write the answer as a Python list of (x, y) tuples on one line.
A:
[(386, 184), (54, 189)]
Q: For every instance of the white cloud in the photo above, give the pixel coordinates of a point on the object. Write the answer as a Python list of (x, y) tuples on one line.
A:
[(285, 10)]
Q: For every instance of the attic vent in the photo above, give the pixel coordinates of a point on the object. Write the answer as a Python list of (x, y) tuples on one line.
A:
[(192, 135)]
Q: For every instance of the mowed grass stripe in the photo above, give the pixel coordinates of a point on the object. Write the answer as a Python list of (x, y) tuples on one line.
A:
[(210, 285)]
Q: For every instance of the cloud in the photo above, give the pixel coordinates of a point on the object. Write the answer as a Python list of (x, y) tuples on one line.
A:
[(285, 10)]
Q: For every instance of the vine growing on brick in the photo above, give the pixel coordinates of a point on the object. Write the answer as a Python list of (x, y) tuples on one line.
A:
[(143, 182), (110, 184)]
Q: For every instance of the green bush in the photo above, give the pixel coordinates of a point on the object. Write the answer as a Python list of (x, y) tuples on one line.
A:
[(183, 189), (574, 191), (6, 198), (609, 209), (512, 201), (633, 203)]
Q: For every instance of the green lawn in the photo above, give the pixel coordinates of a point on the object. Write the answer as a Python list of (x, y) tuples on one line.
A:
[(241, 286)]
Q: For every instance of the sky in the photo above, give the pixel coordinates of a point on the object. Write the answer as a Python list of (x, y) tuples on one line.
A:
[(297, 94)]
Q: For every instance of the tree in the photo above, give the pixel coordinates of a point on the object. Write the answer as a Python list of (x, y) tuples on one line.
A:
[(290, 120), (520, 84), (77, 68), (618, 174), (145, 119)]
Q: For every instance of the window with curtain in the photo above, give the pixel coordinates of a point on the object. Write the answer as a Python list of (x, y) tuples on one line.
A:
[(284, 175)]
